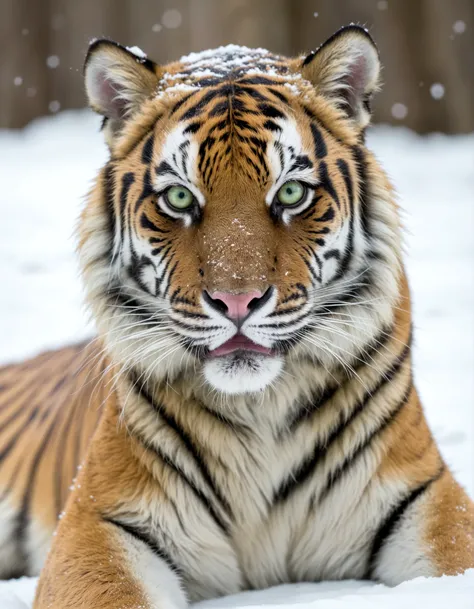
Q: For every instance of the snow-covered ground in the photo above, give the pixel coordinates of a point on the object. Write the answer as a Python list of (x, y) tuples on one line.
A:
[(46, 169)]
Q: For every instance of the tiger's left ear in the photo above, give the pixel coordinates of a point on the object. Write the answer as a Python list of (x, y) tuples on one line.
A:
[(118, 81), (346, 69)]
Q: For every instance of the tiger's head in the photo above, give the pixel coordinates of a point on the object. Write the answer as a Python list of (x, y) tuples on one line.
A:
[(240, 224)]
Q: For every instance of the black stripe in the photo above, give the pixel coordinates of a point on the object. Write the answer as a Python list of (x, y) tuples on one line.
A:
[(116, 296), (185, 438), (320, 149), (152, 545), (271, 125), (21, 394), (192, 128), (18, 397), (147, 191), (327, 216), (288, 311), (344, 263), (301, 162), (170, 276), (336, 254), (180, 472), (108, 186), (254, 93), (11, 444), (304, 471), (280, 96), (294, 419), (370, 350), (220, 108), (146, 223), (182, 101), (164, 167), (127, 180), (64, 411), (201, 104), (23, 517), (342, 468), (270, 111), (259, 80), (326, 182), (147, 152), (392, 522), (313, 273), (362, 172), (318, 119)]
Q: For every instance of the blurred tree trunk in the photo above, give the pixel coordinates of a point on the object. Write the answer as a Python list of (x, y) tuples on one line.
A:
[(24, 39), (419, 43)]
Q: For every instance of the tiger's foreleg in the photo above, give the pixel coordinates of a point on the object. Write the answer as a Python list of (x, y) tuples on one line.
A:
[(95, 563), (429, 533)]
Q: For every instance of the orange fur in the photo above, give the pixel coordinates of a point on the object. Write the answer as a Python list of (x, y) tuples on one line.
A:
[(331, 473)]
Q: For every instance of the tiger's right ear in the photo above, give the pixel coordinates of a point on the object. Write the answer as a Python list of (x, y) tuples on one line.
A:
[(118, 80)]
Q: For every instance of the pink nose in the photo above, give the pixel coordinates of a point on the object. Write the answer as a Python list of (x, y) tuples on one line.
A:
[(237, 305)]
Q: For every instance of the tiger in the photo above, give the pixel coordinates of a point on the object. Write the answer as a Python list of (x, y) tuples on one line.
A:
[(247, 415)]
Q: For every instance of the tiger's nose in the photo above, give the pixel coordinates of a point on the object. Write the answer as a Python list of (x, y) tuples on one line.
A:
[(237, 306)]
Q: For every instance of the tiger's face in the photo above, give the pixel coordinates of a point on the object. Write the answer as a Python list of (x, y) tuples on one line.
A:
[(233, 207)]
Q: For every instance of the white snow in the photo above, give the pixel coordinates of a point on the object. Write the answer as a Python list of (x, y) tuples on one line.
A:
[(441, 593), (229, 53), (54, 106), (171, 18), (52, 61), (437, 90), (45, 172), (137, 52), (399, 111), (459, 26)]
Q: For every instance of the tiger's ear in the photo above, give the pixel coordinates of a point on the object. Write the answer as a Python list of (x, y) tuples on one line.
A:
[(118, 80), (346, 69)]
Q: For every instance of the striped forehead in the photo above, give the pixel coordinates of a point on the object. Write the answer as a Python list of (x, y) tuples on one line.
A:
[(245, 123)]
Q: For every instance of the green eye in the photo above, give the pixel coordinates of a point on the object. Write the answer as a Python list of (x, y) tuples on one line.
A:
[(179, 197), (291, 193)]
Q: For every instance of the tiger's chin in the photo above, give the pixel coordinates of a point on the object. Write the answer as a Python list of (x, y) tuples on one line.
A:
[(242, 371)]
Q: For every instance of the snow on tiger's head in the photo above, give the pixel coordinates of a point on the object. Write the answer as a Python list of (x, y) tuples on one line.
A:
[(232, 205)]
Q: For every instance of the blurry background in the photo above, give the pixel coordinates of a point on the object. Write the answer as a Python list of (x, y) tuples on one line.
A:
[(426, 47)]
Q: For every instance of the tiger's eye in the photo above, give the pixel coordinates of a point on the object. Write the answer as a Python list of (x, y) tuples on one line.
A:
[(291, 193), (179, 197)]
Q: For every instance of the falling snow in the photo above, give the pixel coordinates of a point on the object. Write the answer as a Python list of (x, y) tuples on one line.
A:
[(52, 61), (399, 111), (437, 90), (54, 106), (459, 27), (171, 19), (17, 81)]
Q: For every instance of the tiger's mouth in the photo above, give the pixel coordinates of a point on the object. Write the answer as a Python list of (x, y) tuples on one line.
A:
[(239, 342)]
